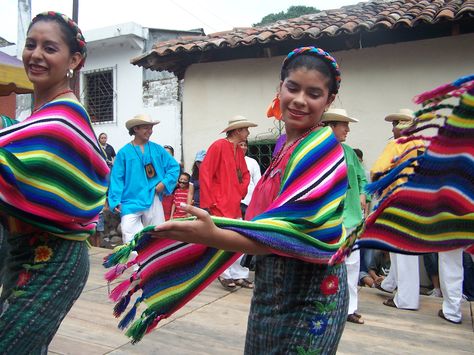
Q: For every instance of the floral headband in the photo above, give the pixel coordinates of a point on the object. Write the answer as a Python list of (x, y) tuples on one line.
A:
[(317, 52), (81, 42)]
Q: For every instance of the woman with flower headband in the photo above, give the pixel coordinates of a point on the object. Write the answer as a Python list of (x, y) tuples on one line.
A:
[(52, 183), (299, 302)]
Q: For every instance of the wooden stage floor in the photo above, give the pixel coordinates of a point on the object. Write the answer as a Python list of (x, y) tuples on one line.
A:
[(215, 323)]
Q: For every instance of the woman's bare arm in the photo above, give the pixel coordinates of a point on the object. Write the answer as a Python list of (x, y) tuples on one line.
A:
[(202, 230)]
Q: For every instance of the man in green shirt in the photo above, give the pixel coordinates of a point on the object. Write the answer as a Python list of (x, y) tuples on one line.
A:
[(354, 204)]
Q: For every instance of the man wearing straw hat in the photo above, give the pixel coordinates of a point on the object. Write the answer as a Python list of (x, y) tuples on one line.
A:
[(354, 204), (142, 172), (404, 269), (224, 179)]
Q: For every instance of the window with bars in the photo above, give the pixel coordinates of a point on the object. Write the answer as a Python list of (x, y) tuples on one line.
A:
[(99, 94), (262, 152)]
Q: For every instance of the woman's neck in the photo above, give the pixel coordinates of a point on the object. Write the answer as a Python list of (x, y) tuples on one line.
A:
[(293, 136), (43, 96)]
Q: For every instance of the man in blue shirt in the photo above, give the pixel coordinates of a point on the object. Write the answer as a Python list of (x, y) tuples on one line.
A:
[(143, 171)]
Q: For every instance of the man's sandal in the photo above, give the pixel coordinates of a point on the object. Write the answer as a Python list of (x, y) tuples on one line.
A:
[(390, 303), (244, 283), (355, 318), (228, 284)]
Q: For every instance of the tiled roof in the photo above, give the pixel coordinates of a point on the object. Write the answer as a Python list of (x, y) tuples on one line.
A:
[(4, 42), (175, 55)]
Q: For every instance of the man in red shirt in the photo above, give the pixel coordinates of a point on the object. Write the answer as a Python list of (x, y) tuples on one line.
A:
[(224, 179)]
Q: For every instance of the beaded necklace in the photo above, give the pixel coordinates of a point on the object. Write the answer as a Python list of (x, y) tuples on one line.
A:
[(282, 152), (54, 97)]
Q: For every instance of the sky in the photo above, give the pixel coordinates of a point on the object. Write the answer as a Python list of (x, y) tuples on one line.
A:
[(212, 15)]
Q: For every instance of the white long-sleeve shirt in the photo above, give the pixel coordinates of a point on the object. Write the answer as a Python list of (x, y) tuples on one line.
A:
[(255, 175)]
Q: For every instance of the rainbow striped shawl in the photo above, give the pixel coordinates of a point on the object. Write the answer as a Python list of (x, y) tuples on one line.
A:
[(304, 222), (52, 175), (434, 210)]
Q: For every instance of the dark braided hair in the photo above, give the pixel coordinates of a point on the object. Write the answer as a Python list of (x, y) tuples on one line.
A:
[(72, 33)]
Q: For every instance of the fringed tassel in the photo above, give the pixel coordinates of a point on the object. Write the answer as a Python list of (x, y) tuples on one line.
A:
[(121, 306), (463, 80), (139, 327), (429, 95), (407, 152), (433, 108), (119, 256), (429, 117), (130, 316), (377, 187), (118, 270), (413, 130), (391, 191), (122, 252), (346, 248), (443, 90), (154, 323), (120, 289), (407, 139)]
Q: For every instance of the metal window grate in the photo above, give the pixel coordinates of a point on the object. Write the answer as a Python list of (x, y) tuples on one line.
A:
[(99, 94), (262, 152)]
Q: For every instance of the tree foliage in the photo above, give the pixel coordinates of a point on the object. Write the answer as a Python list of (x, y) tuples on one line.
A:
[(292, 12)]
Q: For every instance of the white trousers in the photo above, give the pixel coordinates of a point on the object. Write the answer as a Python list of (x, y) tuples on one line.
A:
[(404, 273), (451, 278), (353, 269), (236, 271), (134, 222)]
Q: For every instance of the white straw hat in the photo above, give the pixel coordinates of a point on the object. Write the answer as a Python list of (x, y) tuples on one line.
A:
[(337, 115), (238, 122), (404, 114), (139, 120)]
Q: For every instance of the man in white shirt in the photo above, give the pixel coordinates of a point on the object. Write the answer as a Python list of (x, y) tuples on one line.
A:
[(255, 175)]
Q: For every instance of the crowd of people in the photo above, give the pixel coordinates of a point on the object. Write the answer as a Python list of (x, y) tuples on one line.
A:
[(291, 220)]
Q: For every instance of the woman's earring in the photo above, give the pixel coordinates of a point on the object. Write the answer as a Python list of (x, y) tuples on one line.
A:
[(70, 73), (274, 108)]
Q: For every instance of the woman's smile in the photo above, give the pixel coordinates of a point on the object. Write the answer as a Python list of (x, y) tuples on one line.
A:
[(296, 113), (36, 69)]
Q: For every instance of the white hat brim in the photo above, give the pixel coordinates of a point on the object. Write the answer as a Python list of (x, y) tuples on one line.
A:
[(398, 117), (239, 125), (335, 117), (137, 122)]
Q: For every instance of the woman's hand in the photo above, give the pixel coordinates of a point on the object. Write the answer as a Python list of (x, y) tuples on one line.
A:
[(188, 231), (202, 230)]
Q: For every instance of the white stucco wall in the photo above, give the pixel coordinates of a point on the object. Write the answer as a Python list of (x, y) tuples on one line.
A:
[(116, 53), (375, 82)]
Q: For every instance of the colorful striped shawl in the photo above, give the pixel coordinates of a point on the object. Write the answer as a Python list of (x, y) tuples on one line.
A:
[(434, 210), (52, 175), (304, 222)]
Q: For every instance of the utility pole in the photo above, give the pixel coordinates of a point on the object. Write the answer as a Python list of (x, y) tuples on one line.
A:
[(23, 102), (75, 18)]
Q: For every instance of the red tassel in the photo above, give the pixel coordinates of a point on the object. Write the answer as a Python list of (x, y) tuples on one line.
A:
[(154, 323), (115, 272), (118, 291)]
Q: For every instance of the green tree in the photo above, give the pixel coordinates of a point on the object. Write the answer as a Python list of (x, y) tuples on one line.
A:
[(292, 12)]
